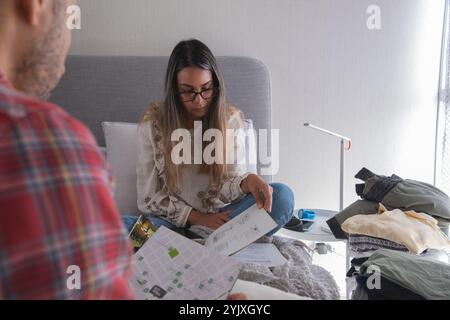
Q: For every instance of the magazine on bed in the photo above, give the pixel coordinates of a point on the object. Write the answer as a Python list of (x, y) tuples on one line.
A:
[(144, 229), (171, 267), (231, 237)]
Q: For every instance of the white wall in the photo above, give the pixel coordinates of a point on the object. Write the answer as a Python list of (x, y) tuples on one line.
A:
[(327, 68)]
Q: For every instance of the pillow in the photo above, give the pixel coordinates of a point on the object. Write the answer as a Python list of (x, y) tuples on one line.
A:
[(121, 152)]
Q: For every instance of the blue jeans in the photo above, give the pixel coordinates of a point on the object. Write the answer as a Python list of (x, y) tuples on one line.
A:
[(282, 209)]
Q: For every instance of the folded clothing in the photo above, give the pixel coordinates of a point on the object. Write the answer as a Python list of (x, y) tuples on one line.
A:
[(387, 290), (405, 194), (416, 231), (357, 207), (359, 261), (427, 278), (438, 255), (363, 243), (394, 193), (360, 255)]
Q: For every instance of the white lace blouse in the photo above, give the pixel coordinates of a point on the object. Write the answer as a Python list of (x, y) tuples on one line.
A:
[(196, 191)]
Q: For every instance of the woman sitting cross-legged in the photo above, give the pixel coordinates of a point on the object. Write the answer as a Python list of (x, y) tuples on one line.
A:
[(174, 188)]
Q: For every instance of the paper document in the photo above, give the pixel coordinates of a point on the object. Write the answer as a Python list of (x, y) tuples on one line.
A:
[(256, 291), (241, 231), (265, 254), (171, 267)]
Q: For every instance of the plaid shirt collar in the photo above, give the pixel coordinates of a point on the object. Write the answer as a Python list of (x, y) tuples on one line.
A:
[(6, 88)]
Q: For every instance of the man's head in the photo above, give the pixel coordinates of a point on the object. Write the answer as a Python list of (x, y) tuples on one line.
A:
[(35, 43)]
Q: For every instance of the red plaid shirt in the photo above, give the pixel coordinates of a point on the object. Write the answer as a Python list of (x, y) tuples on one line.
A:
[(56, 207)]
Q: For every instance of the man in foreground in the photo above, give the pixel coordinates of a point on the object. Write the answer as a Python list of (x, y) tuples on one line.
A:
[(60, 232)]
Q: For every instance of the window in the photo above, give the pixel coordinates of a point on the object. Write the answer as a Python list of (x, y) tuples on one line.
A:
[(442, 162)]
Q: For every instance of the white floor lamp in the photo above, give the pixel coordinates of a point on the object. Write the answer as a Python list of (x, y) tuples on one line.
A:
[(342, 162), (341, 183)]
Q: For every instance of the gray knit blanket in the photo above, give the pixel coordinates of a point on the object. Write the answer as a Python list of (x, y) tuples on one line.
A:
[(298, 276)]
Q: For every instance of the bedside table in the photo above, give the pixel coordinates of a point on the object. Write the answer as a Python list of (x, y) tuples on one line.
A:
[(316, 233)]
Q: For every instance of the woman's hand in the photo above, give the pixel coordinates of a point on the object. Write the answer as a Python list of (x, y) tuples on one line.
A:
[(210, 220), (257, 186)]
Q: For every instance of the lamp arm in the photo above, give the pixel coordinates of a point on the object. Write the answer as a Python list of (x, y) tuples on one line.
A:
[(327, 132)]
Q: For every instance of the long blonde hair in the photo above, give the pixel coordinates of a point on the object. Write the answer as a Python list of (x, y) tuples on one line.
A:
[(171, 115)]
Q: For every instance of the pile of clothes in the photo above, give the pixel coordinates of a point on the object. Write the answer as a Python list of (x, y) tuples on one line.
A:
[(397, 229), (394, 193), (394, 275)]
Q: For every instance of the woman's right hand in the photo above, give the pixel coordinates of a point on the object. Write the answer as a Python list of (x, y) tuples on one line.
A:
[(210, 220)]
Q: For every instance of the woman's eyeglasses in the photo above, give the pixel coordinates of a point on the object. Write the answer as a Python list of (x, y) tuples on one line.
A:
[(191, 95)]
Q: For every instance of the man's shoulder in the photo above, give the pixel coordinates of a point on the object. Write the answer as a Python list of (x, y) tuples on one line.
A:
[(17, 105), (23, 111)]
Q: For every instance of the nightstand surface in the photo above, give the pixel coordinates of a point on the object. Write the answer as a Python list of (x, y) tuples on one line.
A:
[(316, 233)]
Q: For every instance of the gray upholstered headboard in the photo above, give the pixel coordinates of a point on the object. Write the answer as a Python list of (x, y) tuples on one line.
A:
[(119, 89)]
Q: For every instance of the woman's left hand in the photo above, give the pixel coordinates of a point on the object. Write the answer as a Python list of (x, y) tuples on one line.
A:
[(258, 187)]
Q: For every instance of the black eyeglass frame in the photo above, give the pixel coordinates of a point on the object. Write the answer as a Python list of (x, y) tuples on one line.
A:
[(214, 94)]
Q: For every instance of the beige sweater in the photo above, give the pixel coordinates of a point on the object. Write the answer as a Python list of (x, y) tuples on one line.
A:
[(415, 230), (195, 191)]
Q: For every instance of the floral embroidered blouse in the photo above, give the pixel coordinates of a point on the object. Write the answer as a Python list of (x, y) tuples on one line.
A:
[(196, 191)]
